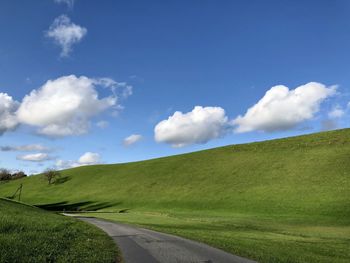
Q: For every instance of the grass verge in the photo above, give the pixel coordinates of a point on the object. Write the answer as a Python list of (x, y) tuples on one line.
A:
[(29, 234)]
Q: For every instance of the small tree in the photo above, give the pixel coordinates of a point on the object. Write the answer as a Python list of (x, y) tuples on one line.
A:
[(51, 174), (5, 174)]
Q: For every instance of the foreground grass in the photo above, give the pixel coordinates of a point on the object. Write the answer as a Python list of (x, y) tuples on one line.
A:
[(28, 234), (262, 238), (283, 200)]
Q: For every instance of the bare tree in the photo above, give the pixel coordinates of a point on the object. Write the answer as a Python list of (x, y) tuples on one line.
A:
[(51, 175)]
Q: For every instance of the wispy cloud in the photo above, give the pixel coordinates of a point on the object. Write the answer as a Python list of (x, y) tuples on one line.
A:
[(336, 112), (69, 3), (65, 34), (102, 124), (25, 148), (132, 139), (35, 157)]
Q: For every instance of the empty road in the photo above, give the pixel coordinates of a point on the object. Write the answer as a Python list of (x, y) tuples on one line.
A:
[(140, 245)]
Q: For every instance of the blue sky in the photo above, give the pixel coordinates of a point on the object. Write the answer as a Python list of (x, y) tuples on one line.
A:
[(174, 55)]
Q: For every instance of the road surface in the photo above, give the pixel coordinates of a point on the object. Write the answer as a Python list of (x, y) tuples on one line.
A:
[(140, 245)]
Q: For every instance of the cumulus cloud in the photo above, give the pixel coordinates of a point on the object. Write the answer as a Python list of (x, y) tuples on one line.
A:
[(88, 158), (25, 148), (65, 33), (8, 107), (64, 106), (132, 139), (198, 126), (35, 157), (69, 3), (336, 112), (282, 109)]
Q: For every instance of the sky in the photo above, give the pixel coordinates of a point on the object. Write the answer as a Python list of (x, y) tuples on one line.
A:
[(88, 82)]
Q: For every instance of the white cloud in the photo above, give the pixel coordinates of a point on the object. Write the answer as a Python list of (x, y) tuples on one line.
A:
[(127, 91), (88, 158), (198, 126), (64, 106), (282, 109), (69, 3), (120, 89), (77, 127), (35, 157), (132, 139), (24, 148), (102, 124), (61, 164), (65, 34), (8, 107), (336, 112)]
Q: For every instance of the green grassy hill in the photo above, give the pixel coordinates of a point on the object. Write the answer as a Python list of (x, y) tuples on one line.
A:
[(275, 190), (29, 234)]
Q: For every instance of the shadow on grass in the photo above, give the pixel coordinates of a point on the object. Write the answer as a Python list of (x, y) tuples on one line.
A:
[(62, 180), (86, 206)]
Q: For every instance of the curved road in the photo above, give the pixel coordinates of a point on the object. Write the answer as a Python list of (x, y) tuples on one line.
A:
[(140, 245)]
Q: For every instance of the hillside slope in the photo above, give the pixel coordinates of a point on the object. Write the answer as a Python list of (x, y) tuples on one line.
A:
[(283, 200), (307, 175)]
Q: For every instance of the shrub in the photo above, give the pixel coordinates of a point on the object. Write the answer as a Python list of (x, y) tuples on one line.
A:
[(18, 175), (5, 175)]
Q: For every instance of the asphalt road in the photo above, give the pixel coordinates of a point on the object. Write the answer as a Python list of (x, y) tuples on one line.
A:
[(140, 245)]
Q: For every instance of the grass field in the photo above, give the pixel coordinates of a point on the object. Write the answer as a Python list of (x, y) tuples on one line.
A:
[(284, 200), (266, 239), (29, 234)]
